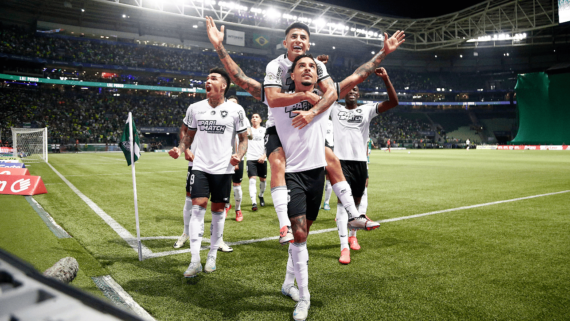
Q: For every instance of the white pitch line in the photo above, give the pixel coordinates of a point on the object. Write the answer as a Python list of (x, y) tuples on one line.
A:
[(118, 228), (159, 254), (178, 171), (127, 298)]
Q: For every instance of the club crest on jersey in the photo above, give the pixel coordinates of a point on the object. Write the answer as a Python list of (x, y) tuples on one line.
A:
[(304, 105), (210, 127), (350, 117), (224, 113)]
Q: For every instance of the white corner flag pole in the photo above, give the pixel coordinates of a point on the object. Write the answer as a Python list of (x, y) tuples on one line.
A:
[(135, 185)]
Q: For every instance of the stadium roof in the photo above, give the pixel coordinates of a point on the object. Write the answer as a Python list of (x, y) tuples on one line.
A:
[(487, 24), (505, 21)]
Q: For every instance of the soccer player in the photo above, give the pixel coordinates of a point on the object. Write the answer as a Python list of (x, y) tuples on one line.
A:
[(189, 156), (351, 125), (237, 177), (467, 142), (388, 145), (329, 142), (304, 176), (214, 122), (369, 146), (256, 161), (277, 83)]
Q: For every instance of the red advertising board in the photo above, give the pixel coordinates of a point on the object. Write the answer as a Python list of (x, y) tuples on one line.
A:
[(14, 171), (21, 185), (6, 150)]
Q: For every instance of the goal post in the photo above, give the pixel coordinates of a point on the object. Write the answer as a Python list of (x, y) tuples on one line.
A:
[(30, 144)]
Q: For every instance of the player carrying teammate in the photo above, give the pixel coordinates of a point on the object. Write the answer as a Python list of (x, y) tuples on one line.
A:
[(214, 123), (256, 161), (304, 175), (277, 83)]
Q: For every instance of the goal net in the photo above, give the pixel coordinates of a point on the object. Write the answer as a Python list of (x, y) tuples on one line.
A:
[(30, 144)]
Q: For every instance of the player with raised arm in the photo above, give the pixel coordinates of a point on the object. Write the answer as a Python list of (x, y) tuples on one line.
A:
[(351, 125), (277, 83), (256, 160), (214, 123)]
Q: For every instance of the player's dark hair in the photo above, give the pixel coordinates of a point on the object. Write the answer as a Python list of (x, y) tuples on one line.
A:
[(258, 114), (298, 25), (299, 58), (234, 97), (224, 74)]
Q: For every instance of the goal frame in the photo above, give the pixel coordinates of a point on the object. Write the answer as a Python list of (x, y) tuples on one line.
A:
[(17, 131)]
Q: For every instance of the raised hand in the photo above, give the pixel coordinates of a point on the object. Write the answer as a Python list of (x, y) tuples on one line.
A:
[(392, 43), (323, 58), (216, 36), (381, 72)]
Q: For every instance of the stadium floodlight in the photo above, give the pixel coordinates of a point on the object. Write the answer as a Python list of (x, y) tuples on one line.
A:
[(352, 29), (272, 13), (500, 37), (320, 23), (124, 15), (82, 10), (195, 26)]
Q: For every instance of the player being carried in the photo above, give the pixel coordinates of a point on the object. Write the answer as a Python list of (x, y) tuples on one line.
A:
[(274, 92), (214, 123)]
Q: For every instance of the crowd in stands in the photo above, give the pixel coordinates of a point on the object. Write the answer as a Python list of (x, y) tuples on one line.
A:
[(92, 117), (16, 40)]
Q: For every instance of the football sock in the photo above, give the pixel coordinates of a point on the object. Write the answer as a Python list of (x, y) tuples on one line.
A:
[(261, 188), (252, 190), (300, 257), (342, 225), (196, 231), (363, 203), (352, 233), (290, 273), (328, 191), (217, 232), (187, 213), (344, 194), (280, 196), (237, 196)]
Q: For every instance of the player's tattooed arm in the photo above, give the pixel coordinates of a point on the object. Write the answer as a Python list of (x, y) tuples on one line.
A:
[(362, 72), (188, 139), (392, 96), (242, 146), (236, 74)]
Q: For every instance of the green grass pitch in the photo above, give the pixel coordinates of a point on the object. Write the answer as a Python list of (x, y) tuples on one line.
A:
[(507, 261)]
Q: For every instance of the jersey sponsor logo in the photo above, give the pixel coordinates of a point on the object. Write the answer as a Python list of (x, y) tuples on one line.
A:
[(350, 117), (210, 127), (213, 112), (304, 105)]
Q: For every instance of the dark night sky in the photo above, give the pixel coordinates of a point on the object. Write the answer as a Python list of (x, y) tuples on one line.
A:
[(405, 8)]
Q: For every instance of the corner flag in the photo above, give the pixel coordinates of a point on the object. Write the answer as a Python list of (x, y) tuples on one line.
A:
[(131, 148), (126, 141)]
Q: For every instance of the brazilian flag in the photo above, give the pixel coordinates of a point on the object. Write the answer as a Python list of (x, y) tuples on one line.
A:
[(260, 40)]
